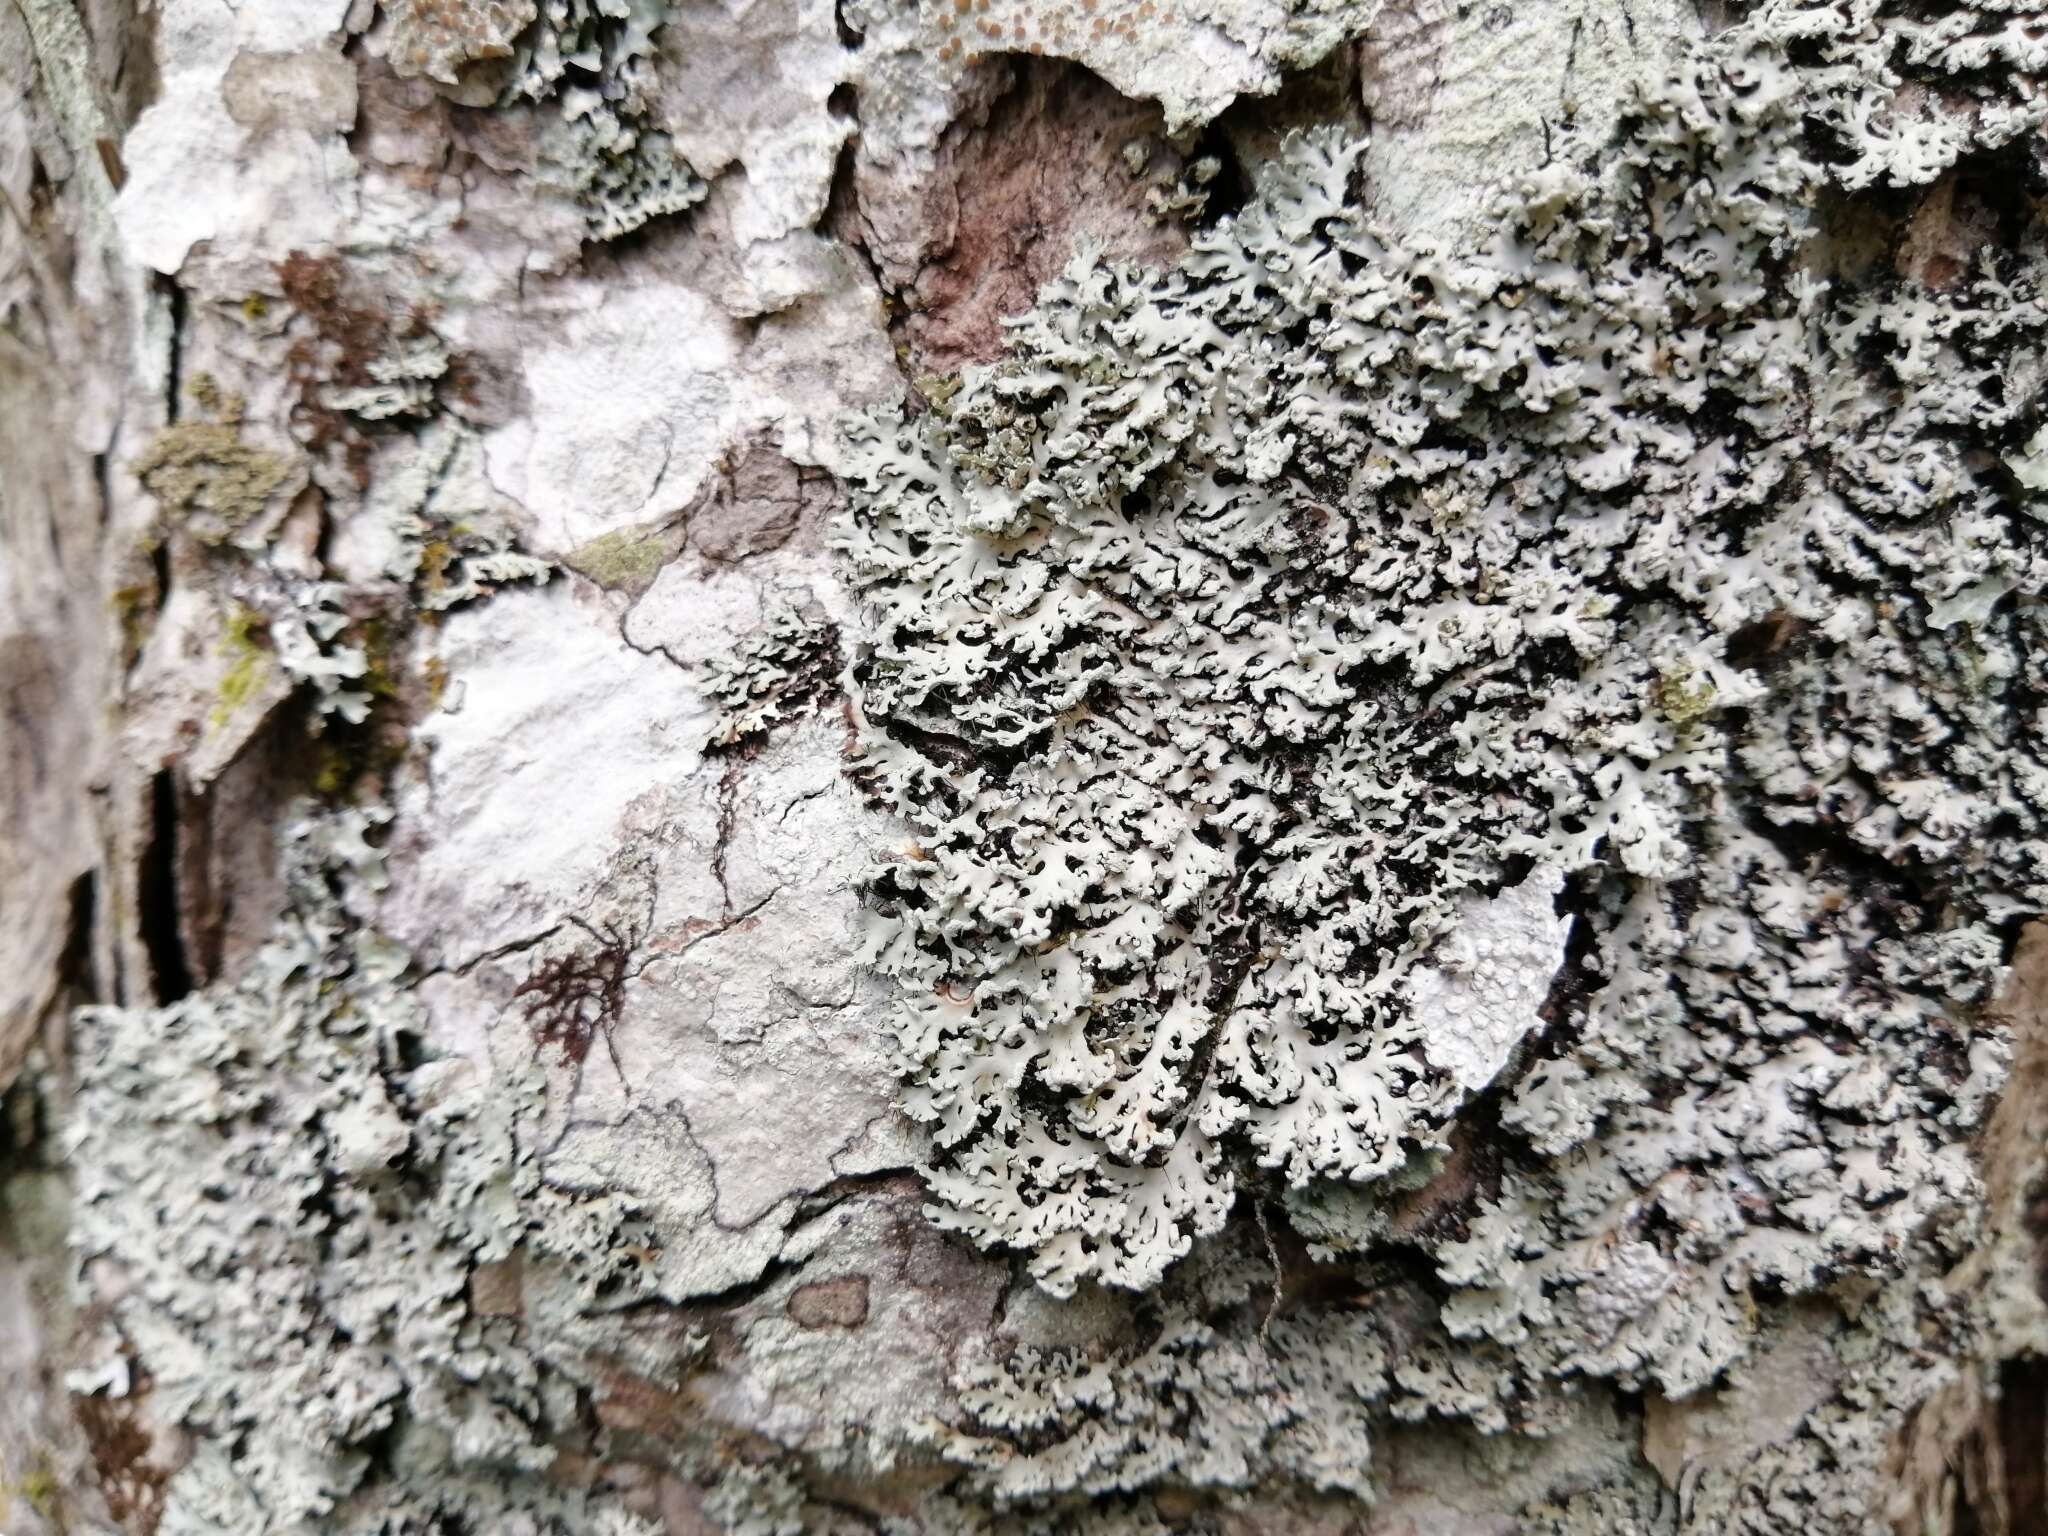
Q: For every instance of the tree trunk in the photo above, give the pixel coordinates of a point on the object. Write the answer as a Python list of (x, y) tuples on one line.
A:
[(1241, 766)]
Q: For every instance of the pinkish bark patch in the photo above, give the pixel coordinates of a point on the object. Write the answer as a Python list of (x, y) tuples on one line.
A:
[(841, 1302), (1046, 163)]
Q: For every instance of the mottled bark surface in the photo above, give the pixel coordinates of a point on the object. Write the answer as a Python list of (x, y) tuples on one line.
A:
[(505, 787)]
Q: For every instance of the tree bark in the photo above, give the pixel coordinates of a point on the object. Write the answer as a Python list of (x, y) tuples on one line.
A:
[(1225, 765)]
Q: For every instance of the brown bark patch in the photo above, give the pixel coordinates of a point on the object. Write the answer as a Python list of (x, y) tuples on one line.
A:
[(1948, 226), (754, 506), (841, 1302), (1047, 164), (315, 90), (1974, 1458), (129, 1477), (630, 1402), (498, 1289)]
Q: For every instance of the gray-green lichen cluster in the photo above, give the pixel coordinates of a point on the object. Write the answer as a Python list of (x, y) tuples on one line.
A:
[(1199, 1400), (399, 382), (591, 57), (290, 1208), (587, 62), (445, 534), (772, 676), (1254, 629)]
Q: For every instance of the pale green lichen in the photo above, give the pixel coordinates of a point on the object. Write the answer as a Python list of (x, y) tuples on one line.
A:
[(288, 1201), (771, 676), (38, 1487), (305, 629), (1683, 696), (592, 60), (248, 664), (400, 381), (627, 559), (1252, 626)]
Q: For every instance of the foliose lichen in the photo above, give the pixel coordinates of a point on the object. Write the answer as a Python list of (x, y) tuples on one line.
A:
[(773, 675), (584, 66), (1252, 628), (286, 1203), (1205, 1399), (1517, 766), (590, 61), (450, 541)]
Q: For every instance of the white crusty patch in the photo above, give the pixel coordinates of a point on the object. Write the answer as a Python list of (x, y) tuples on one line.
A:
[(1481, 994), (550, 728), (282, 180)]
